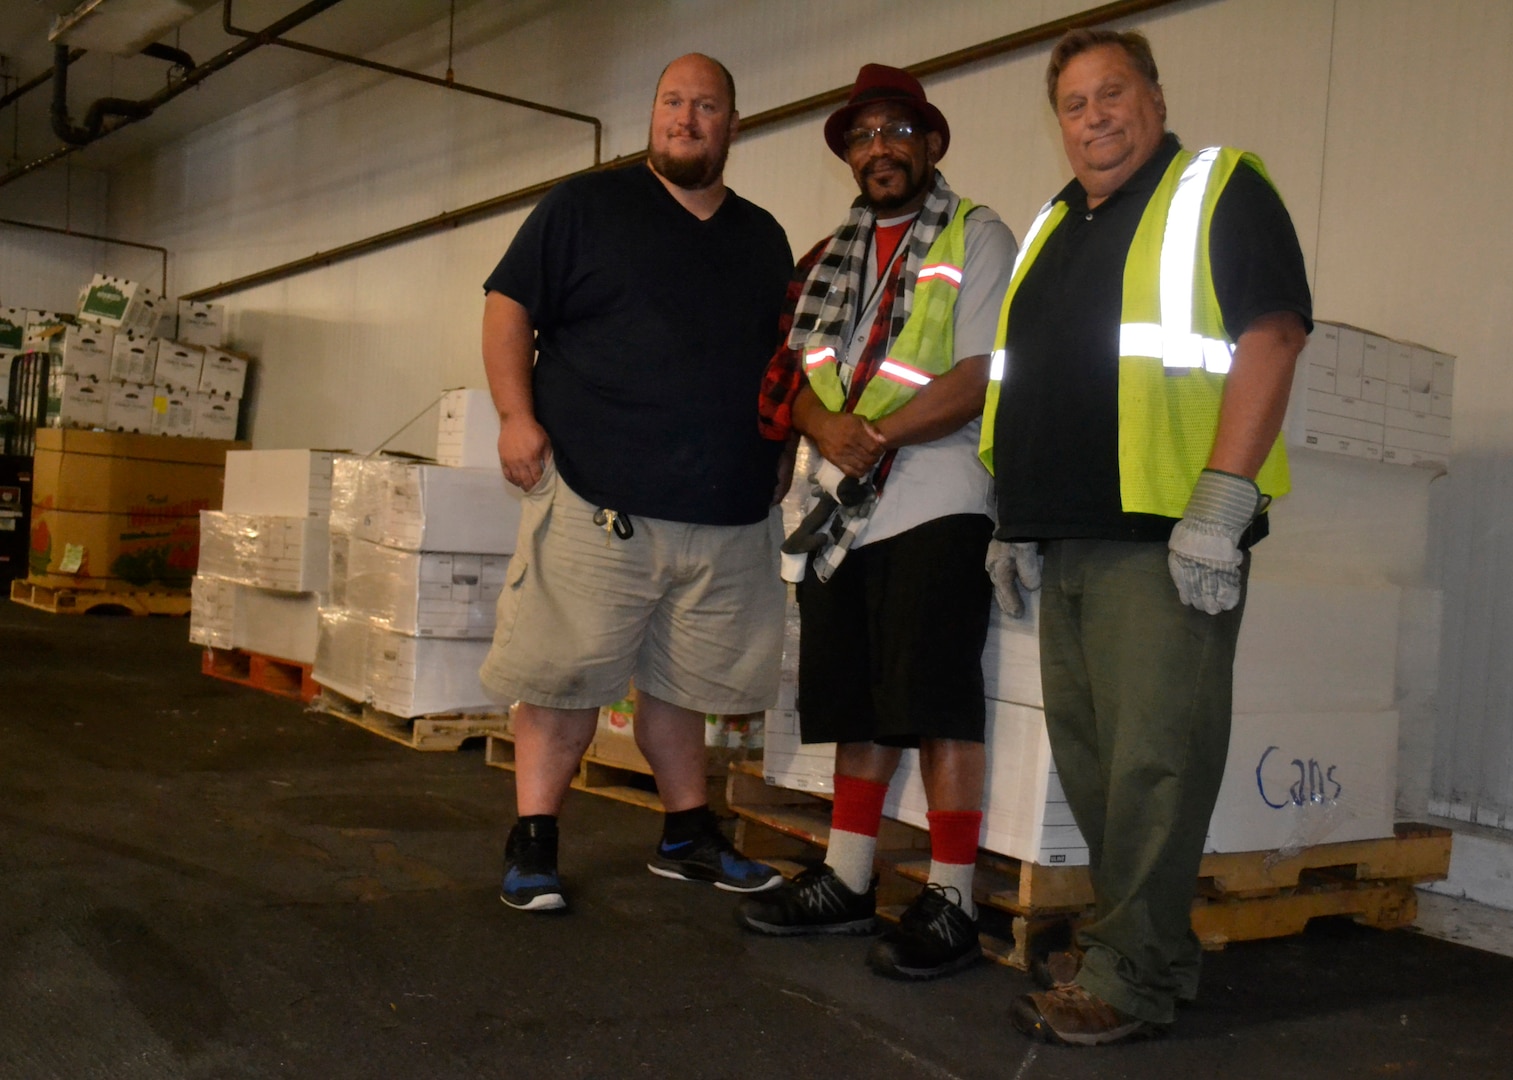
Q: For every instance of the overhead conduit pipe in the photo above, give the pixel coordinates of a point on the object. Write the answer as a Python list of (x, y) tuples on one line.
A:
[(130, 112), (972, 54), (446, 84)]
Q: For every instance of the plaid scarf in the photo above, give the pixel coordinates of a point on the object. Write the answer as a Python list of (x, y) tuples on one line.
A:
[(826, 295)]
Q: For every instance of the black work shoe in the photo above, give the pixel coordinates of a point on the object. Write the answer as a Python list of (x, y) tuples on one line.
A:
[(530, 869), (815, 902), (1075, 1016), (712, 858), (934, 937)]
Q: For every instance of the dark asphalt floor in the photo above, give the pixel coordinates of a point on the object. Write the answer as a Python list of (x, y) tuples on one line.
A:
[(199, 880)]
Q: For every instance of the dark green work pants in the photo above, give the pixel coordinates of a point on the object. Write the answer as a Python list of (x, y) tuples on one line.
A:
[(1137, 701)]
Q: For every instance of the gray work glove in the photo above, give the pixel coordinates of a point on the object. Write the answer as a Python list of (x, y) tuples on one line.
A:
[(1013, 566), (1205, 554)]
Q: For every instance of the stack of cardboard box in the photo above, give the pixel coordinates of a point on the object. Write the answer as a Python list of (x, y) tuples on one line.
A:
[(264, 562), (119, 511), (418, 558)]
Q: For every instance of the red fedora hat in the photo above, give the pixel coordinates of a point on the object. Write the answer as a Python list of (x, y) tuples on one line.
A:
[(878, 82)]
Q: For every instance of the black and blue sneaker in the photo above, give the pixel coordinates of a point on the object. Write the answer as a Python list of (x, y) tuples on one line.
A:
[(530, 868), (711, 857)]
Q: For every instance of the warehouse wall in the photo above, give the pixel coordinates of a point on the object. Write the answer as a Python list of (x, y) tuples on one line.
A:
[(43, 271), (1385, 123)]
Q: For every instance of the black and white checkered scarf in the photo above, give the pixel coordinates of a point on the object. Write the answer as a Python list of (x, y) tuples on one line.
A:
[(827, 306)]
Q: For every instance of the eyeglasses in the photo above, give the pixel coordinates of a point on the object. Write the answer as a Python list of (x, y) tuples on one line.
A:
[(896, 132)]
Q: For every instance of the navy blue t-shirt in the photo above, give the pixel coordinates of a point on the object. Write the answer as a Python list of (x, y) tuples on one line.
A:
[(653, 329)]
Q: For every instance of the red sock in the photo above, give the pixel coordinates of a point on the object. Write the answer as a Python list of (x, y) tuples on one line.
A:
[(953, 835), (858, 805)]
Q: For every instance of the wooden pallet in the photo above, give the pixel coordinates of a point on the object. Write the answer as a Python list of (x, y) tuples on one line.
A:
[(619, 779), (65, 601), (1239, 897), (433, 732), (270, 674)]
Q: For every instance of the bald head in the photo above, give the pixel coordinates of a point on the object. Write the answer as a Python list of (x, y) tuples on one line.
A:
[(708, 63), (693, 119)]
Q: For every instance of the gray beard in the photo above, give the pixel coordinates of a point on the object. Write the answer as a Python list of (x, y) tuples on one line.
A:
[(691, 174)]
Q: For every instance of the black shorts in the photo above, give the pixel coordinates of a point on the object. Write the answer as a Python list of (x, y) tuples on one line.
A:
[(891, 645)]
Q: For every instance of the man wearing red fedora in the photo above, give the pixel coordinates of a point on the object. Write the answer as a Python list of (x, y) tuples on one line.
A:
[(883, 372)]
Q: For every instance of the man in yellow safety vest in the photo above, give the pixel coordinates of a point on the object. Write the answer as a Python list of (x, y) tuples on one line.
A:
[(884, 370), (1140, 373)]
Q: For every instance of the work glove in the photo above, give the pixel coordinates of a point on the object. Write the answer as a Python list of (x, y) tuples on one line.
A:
[(1013, 567), (1204, 550)]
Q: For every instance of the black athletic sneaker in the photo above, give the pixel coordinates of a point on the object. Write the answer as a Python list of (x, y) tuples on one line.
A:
[(712, 858), (934, 937), (530, 870), (815, 902)]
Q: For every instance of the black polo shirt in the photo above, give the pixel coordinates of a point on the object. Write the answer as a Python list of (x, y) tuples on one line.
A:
[(653, 329), (1056, 437)]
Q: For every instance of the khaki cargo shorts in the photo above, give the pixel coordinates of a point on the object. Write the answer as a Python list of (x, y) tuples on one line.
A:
[(694, 613)]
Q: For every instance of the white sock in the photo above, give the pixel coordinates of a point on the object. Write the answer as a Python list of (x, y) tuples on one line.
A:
[(957, 876), (851, 855)]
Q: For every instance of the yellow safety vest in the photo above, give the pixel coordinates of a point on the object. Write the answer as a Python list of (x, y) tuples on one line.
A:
[(924, 348), (1174, 352)]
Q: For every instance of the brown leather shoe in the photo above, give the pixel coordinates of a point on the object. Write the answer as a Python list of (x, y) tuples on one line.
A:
[(1076, 1017)]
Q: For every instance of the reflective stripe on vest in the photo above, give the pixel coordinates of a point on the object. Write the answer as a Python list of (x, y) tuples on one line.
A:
[(1172, 340), (924, 348)]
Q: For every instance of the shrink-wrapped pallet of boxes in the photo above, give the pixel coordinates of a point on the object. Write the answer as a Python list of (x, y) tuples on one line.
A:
[(417, 558), (265, 558)]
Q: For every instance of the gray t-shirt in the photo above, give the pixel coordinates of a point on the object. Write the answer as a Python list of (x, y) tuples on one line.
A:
[(936, 479)]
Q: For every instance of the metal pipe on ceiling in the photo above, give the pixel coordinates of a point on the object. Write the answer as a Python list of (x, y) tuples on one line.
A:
[(38, 80), (191, 79), (960, 58), (431, 80), (162, 251)]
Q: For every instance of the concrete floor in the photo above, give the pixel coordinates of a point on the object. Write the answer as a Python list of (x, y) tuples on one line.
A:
[(200, 880)]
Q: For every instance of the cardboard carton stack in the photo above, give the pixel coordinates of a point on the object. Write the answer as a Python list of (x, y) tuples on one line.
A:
[(132, 361), (114, 511), (1313, 750), (264, 563), (418, 558)]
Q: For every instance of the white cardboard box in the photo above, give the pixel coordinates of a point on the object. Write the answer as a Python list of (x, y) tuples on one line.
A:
[(223, 373), (275, 623), (1297, 779), (87, 352), (287, 553), (414, 676), (120, 303), (12, 328), (420, 507), (215, 416), (212, 611), (427, 594), (201, 324), (172, 414), (76, 402), (341, 654), (284, 483), (178, 366), (133, 358), (129, 407), (467, 432)]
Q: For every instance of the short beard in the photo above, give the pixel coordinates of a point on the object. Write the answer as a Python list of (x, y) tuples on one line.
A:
[(690, 174), (893, 202)]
